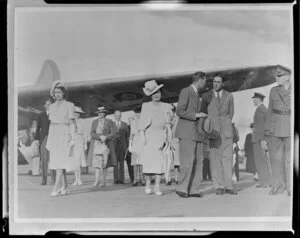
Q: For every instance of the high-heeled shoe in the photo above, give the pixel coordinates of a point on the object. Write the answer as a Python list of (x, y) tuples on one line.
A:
[(157, 191), (65, 191), (75, 183), (79, 182), (148, 191), (55, 193), (95, 184), (103, 184)]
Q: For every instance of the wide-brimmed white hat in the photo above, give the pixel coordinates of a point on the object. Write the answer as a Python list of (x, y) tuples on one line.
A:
[(151, 87), (56, 83), (101, 109), (78, 110)]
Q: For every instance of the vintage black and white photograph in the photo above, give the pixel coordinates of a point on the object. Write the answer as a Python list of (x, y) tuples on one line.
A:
[(145, 119)]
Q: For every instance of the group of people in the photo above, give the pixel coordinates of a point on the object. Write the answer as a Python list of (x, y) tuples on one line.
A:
[(161, 137), (268, 147)]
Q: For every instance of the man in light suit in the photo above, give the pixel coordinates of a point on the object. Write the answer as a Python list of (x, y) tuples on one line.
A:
[(261, 159), (278, 132), (190, 140), (219, 105), (121, 145), (41, 135)]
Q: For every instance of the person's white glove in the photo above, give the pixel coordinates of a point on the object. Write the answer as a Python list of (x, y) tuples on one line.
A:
[(264, 145), (103, 138), (130, 148)]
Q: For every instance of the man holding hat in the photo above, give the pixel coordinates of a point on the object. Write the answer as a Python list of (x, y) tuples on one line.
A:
[(219, 105), (261, 158), (278, 133)]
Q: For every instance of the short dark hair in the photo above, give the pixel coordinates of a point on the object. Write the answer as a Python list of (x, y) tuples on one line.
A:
[(63, 89), (198, 75), (219, 76)]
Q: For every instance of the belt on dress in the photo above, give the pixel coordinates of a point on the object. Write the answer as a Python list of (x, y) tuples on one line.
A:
[(282, 112)]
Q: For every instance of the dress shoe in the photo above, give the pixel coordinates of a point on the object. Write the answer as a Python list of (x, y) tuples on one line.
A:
[(169, 183), (75, 183), (65, 191), (182, 194), (196, 195), (79, 182), (103, 184), (177, 182), (95, 184), (231, 191), (43, 183), (220, 191), (121, 182), (134, 184), (116, 182)]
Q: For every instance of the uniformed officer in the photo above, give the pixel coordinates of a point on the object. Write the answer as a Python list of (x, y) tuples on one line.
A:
[(278, 134)]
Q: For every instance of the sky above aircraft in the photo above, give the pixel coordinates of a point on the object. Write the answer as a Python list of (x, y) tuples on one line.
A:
[(97, 43), (89, 44)]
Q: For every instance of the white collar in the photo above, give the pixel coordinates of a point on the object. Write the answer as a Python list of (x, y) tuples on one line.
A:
[(220, 93), (194, 87)]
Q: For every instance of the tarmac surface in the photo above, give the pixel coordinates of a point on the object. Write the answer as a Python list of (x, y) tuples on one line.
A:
[(126, 201)]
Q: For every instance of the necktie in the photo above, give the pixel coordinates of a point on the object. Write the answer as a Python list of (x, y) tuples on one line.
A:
[(218, 97)]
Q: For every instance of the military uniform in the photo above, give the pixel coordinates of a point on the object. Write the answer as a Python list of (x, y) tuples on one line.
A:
[(279, 138)]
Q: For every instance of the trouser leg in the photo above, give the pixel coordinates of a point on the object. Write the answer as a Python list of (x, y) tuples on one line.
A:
[(276, 148), (196, 175), (217, 164), (187, 150), (227, 156)]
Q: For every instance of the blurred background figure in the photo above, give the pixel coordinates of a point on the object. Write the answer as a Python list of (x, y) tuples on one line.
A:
[(79, 159), (135, 146), (236, 149), (206, 162), (249, 154), (102, 146), (42, 130), (175, 144), (121, 145)]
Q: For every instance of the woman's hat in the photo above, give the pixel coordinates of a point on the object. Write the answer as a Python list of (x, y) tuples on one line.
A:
[(151, 87), (101, 109), (56, 83), (78, 110)]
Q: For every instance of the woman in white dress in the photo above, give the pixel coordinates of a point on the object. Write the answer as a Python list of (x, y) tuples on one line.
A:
[(61, 136), (154, 117), (135, 145), (79, 159)]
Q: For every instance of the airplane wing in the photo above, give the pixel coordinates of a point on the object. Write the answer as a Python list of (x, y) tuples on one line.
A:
[(125, 94)]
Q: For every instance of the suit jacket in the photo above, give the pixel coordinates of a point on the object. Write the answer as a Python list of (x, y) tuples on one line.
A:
[(259, 122), (279, 125), (188, 105), (122, 137), (110, 132), (42, 127), (220, 113)]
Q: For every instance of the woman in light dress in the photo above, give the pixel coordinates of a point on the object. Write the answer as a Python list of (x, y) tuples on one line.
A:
[(61, 136), (79, 159), (102, 151), (135, 145), (154, 117)]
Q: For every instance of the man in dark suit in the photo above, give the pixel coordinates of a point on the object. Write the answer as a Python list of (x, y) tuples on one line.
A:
[(190, 140), (121, 142), (41, 135), (261, 159), (219, 105), (278, 133)]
